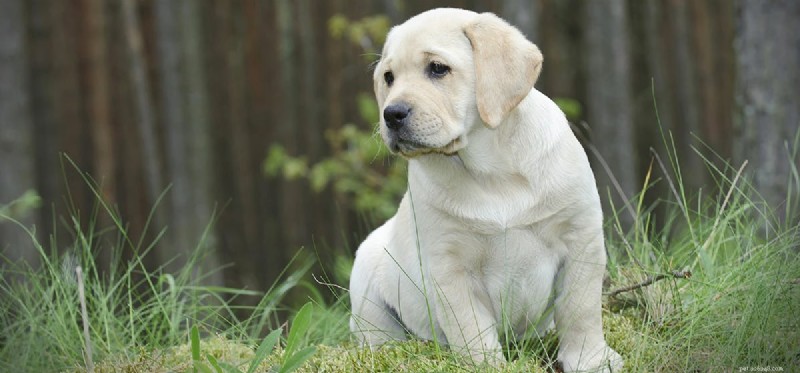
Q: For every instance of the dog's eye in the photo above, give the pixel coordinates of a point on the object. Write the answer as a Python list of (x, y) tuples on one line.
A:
[(388, 77), (438, 70)]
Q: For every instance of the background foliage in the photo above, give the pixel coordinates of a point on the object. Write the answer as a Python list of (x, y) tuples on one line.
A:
[(258, 116)]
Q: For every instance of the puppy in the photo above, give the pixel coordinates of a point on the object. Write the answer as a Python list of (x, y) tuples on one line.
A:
[(501, 228)]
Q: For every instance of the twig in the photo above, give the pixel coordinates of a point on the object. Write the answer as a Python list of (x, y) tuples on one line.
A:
[(328, 284), (648, 281), (85, 316)]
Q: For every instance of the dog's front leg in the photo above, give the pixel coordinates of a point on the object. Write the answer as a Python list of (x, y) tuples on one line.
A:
[(464, 314), (578, 311)]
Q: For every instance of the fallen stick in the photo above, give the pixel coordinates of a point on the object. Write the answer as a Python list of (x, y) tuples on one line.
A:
[(648, 281)]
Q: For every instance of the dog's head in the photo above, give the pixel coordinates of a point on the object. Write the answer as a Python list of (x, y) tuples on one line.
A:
[(445, 70)]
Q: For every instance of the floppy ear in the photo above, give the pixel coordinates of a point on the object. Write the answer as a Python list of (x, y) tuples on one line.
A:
[(506, 66)]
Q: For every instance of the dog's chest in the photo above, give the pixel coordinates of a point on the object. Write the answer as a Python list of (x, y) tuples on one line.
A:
[(514, 272), (493, 207), (518, 274), (487, 203)]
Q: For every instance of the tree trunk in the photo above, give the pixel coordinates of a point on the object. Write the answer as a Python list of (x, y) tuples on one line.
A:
[(685, 97), (767, 91), (288, 132), (98, 104), (198, 127), (609, 102), (42, 80), (95, 74), (145, 124), (240, 134), (184, 118), (173, 121), (17, 172), (524, 14)]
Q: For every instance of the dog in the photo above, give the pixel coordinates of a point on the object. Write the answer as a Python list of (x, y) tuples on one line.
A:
[(500, 230)]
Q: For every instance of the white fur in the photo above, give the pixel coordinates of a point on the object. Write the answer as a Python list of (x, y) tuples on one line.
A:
[(503, 225)]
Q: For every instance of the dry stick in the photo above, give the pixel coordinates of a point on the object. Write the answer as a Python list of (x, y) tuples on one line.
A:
[(328, 284), (85, 317), (649, 281)]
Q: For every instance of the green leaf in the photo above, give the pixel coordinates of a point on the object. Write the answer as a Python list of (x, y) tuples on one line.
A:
[(319, 176), (194, 339), (294, 168), (202, 367), (214, 364), (356, 32), (377, 26), (299, 327), (264, 349), (276, 157), (337, 25), (296, 361), (572, 108)]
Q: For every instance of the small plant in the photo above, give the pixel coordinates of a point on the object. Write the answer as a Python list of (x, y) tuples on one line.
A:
[(361, 170), (291, 360), (292, 357)]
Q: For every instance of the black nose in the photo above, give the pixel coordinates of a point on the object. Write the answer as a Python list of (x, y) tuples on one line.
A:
[(395, 115)]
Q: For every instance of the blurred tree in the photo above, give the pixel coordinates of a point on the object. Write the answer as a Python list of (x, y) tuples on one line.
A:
[(524, 14), (200, 152), (98, 104), (183, 115), (143, 103), (768, 95), (149, 150), (684, 89), (17, 172), (290, 79), (610, 105), (94, 42), (43, 82), (142, 94)]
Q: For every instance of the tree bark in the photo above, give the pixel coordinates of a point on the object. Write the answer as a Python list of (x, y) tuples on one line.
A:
[(767, 93), (184, 118), (524, 14), (685, 97), (42, 80), (98, 104), (198, 127), (145, 123), (609, 102), (17, 172), (288, 132), (173, 120)]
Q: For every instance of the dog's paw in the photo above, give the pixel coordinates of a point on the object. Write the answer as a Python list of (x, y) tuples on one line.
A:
[(602, 359)]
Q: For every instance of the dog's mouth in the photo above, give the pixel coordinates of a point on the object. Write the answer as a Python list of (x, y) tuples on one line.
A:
[(410, 148)]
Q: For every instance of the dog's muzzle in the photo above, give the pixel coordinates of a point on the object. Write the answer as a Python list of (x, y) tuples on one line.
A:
[(396, 116), (403, 138)]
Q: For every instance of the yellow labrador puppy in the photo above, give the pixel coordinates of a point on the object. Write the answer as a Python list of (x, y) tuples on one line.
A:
[(501, 227)]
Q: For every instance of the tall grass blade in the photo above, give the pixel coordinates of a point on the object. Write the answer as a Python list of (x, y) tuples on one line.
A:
[(85, 318), (299, 328), (194, 341)]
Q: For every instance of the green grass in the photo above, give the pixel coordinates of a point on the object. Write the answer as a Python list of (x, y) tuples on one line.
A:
[(739, 308)]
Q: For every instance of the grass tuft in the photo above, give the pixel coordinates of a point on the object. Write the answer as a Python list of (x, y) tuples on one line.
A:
[(738, 309)]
